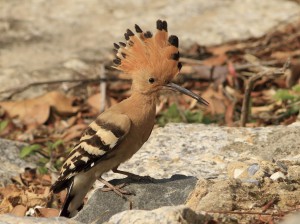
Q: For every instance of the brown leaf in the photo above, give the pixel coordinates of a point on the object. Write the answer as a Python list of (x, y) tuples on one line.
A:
[(36, 111), (262, 109), (216, 101), (29, 112), (47, 212), (229, 114), (285, 54), (62, 195), (62, 104), (5, 206), (19, 210), (219, 53), (95, 101), (74, 132)]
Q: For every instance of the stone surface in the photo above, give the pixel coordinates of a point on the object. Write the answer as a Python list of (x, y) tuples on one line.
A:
[(205, 151), (235, 195), (10, 219), (174, 214), (48, 40), (11, 163), (291, 219), (148, 195), (209, 153)]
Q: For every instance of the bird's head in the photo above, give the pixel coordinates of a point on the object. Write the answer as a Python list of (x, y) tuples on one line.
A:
[(152, 61)]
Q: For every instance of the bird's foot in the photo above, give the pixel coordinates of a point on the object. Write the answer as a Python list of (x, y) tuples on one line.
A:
[(117, 189), (134, 176)]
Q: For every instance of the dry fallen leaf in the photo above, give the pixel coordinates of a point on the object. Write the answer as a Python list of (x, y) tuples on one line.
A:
[(216, 101), (95, 102), (36, 111), (19, 210), (46, 212), (74, 132), (22, 195)]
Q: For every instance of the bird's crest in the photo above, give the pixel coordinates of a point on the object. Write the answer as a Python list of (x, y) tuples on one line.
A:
[(157, 54)]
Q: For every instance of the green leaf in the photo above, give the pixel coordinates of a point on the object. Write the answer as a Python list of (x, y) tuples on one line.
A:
[(28, 150), (284, 94), (296, 88), (193, 117), (58, 164), (42, 170), (53, 145), (43, 160), (3, 125), (171, 115), (57, 143)]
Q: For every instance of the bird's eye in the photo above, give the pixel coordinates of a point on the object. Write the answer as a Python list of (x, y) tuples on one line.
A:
[(151, 80)]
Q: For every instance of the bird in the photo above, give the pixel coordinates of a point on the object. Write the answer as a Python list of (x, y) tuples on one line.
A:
[(151, 61)]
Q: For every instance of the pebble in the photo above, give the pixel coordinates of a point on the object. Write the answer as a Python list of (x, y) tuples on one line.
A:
[(277, 176)]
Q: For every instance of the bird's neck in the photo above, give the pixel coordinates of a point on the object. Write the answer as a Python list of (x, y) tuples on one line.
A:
[(141, 107)]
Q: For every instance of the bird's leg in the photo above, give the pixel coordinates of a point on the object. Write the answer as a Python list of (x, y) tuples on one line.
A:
[(117, 189), (132, 175)]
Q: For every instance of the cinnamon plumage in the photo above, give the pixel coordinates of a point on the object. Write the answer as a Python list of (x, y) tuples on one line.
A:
[(151, 61)]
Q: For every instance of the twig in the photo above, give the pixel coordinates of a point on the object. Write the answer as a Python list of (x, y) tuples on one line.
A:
[(191, 61), (279, 214), (250, 84), (102, 89), (22, 88)]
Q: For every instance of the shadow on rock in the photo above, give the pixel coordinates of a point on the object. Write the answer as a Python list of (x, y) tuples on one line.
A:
[(147, 195)]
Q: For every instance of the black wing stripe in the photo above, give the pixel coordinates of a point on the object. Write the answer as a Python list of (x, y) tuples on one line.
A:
[(117, 131), (96, 141)]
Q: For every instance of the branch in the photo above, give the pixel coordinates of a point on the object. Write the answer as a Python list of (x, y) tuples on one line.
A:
[(96, 80), (279, 214), (249, 86), (102, 89)]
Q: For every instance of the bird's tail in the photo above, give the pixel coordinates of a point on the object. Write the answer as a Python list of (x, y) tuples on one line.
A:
[(78, 187), (64, 209)]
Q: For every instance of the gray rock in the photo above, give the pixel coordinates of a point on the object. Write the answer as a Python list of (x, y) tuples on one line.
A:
[(174, 214), (291, 219), (148, 195), (11, 219), (204, 151), (11, 163), (210, 195)]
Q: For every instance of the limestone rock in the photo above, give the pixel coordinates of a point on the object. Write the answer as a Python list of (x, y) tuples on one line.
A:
[(10, 219), (172, 214), (11, 163), (205, 151)]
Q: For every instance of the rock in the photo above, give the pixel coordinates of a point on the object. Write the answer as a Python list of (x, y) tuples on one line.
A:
[(205, 151), (294, 173), (291, 219), (201, 189), (233, 194), (237, 170), (11, 219), (216, 196), (11, 163), (173, 214), (277, 176), (148, 195)]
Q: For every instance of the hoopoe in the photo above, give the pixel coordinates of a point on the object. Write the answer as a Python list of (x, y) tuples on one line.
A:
[(152, 61)]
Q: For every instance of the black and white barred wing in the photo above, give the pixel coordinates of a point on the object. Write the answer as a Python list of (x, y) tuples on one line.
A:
[(98, 140)]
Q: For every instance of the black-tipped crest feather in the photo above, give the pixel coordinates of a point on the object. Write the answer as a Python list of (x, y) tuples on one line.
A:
[(148, 34), (173, 40), (138, 29)]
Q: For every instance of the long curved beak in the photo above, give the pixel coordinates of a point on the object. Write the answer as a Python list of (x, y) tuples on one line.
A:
[(187, 92)]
